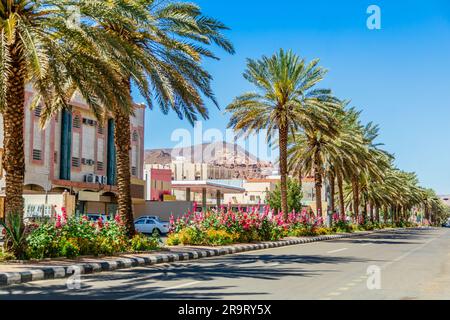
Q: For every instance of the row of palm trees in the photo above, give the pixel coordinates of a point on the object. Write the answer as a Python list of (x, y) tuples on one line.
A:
[(100, 49), (320, 135)]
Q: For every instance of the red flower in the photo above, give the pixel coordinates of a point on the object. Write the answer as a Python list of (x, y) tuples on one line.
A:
[(100, 223)]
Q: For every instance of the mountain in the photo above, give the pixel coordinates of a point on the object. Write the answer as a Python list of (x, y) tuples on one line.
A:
[(245, 164)]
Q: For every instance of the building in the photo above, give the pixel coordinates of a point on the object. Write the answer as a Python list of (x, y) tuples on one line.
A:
[(183, 170), (256, 192), (76, 153), (158, 183)]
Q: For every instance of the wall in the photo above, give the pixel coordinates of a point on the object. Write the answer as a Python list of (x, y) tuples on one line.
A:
[(158, 182), (163, 209)]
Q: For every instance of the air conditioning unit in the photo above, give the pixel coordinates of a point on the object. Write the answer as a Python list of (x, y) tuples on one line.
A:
[(89, 178)]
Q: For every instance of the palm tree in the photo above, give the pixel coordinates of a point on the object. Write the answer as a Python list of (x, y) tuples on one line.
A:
[(286, 101), (38, 46), (165, 49)]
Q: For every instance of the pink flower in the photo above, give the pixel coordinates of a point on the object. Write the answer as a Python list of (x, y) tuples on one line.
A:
[(58, 223)]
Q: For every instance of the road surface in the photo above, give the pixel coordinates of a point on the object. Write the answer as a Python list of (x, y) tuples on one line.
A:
[(406, 264)]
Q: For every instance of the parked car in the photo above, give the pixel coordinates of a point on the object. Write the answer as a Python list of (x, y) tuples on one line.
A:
[(446, 224), (151, 225), (96, 217)]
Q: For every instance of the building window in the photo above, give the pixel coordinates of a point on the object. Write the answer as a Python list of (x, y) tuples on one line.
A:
[(37, 154), (55, 157), (134, 171), (135, 136), (37, 111), (75, 162), (77, 122), (100, 129), (100, 166)]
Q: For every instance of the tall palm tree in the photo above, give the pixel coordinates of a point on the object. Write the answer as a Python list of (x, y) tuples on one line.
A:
[(166, 48), (39, 46), (286, 101)]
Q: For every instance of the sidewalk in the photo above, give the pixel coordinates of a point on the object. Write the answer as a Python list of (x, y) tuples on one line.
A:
[(15, 273)]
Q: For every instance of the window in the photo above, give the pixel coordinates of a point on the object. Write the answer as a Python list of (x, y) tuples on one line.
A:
[(140, 222), (252, 198), (135, 136), (150, 221), (100, 166), (134, 171), (77, 122), (37, 111), (37, 154), (55, 156), (75, 162), (100, 129)]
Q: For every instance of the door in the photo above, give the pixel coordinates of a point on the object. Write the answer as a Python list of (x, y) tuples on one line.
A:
[(149, 226)]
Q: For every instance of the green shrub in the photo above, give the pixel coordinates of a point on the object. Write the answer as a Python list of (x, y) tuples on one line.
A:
[(219, 237), (141, 243), (6, 256)]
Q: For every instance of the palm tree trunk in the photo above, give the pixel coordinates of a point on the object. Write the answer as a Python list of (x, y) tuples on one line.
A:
[(318, 183), (13, 124), (341, 196), (300, 177), (283, 137), (333, 193), (371, 213), (355, 189), (122, 136)]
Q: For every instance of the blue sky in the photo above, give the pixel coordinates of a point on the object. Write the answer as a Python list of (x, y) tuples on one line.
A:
[(399, 75)]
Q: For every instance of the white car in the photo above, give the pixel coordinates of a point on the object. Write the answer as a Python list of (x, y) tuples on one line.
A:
[(151, 225)]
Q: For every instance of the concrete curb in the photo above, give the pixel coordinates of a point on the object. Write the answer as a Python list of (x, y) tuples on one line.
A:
[(49, 273)]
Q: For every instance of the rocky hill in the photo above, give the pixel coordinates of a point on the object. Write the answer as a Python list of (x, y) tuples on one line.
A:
[(223, 154)]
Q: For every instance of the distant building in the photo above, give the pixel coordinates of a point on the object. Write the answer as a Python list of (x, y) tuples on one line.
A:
[(183, 170), (257, 191), (76, 153), (158, 183)]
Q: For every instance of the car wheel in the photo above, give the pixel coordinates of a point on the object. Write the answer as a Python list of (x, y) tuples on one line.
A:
[(156, 232)]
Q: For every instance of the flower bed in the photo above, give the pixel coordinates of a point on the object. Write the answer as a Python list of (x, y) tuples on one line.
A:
[(77, 236), (224, 227), (216, 228)]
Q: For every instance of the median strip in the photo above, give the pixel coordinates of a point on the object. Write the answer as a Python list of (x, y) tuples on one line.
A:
[(48, 272)]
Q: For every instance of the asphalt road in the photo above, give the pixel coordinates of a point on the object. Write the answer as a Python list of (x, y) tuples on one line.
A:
[(407, 264)]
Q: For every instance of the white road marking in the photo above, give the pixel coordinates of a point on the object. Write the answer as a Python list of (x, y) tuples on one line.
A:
[(366, 244), (273, 264), (141, 295), (344, 289), (335, 294), (403, 256), (338, 250)]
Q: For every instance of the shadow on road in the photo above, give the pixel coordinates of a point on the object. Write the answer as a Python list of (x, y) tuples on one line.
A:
[(123, 283)]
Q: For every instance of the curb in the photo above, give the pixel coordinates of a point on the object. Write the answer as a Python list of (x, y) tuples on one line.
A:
[(50, 273)]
